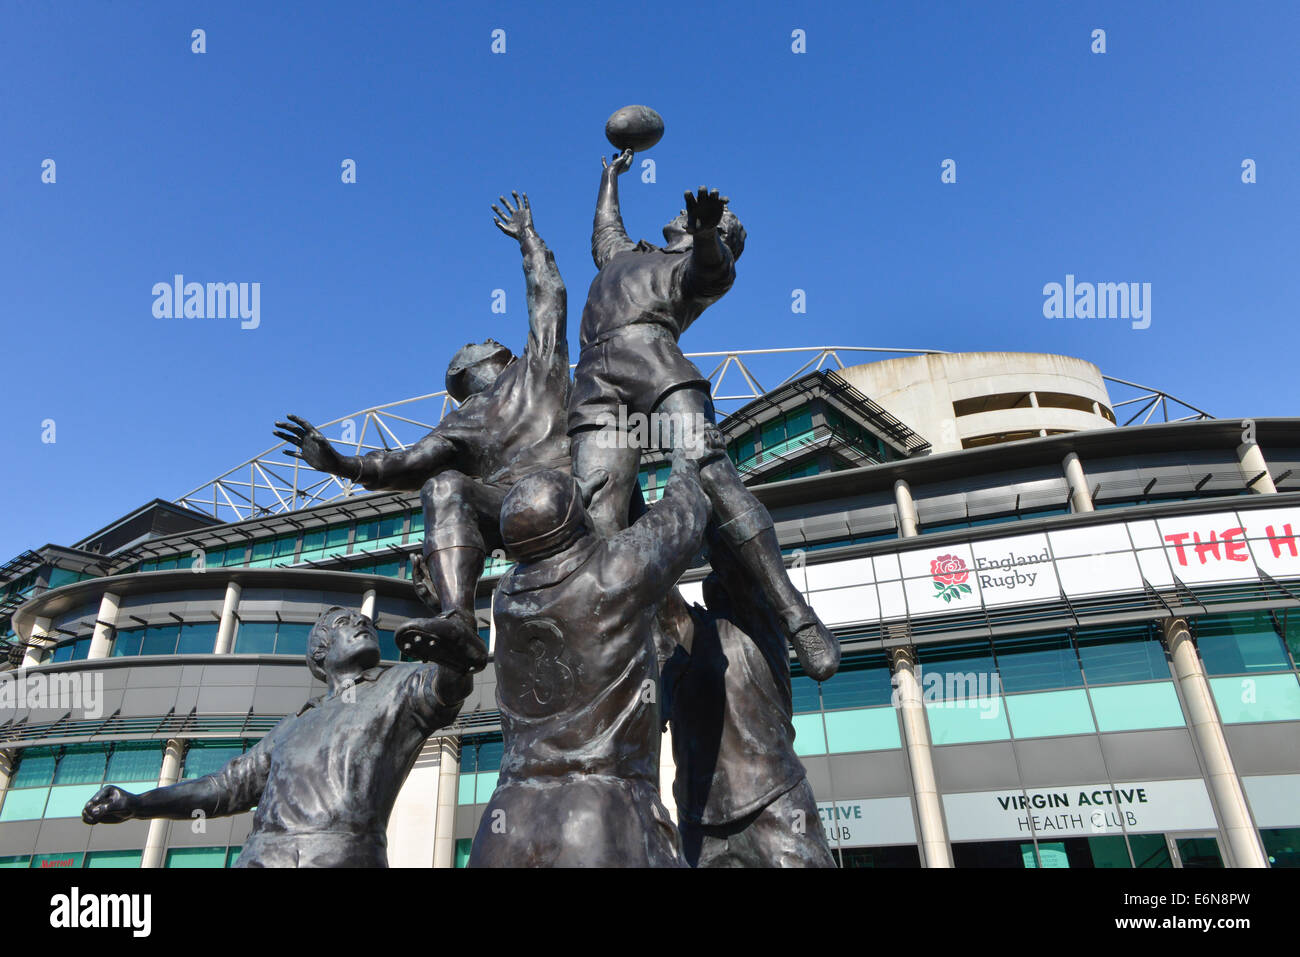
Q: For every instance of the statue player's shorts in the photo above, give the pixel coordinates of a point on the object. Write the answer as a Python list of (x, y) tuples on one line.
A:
[(634, 366)]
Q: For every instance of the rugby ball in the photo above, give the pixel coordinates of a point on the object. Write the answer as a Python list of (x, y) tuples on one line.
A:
[(635, 128)]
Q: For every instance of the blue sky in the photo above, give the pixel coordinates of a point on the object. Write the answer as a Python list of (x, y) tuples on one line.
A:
[(225, 166)]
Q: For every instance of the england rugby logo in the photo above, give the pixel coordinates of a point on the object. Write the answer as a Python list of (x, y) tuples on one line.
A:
[(950, 574)]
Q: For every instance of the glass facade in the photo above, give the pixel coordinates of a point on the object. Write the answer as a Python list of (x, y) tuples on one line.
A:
[(56, 782)]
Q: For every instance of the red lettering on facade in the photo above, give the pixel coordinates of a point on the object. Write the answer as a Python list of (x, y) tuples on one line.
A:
[(1177, 542), (1277, 541), (1235, 551), (1206, 548)]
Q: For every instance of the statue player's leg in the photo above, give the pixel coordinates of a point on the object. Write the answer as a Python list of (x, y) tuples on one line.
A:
[(599, 449), (456, 507), (747, 528)]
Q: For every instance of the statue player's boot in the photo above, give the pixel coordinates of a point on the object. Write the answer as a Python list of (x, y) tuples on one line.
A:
[(816, 648), (451, 637)]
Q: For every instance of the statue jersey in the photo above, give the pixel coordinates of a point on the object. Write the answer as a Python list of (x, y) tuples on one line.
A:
[(644, 283), (316, 773), (519, 423), (577, 682), (577, 687)]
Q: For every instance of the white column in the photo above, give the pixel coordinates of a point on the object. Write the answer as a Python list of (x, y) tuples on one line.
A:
[(368, 604), (444, 825), (1253, 466), (934, 837), (1080, 497), (906, 509), (229, 619), (155, 844), (101, 643), (1244, 847), (39, 643), (412, 825)]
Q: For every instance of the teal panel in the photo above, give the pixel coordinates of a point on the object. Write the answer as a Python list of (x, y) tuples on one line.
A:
[(114, 858), (809, 738), (24, 805), (465, 789), (68, 801), (1041, 714), (966, 720), (1257, 698), (862, 729), (487, 783), (196, 857), (1133, 707)]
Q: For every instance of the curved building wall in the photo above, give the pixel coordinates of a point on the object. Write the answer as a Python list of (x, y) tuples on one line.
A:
[(969, 399), (1080, 672)]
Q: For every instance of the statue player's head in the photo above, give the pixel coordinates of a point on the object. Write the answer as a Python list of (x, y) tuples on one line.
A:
[(730, 229), (342, 641), (475, 367), (546, 513)]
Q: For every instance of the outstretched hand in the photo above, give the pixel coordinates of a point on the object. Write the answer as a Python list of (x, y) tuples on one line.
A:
[(704, 211), (514, 221), (312, 447), (622, 163)]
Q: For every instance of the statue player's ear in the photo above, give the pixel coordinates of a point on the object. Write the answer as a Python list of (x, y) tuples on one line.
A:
[(593, 484)]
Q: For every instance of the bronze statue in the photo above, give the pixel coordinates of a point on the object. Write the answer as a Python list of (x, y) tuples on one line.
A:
[(577, 677), (324, 780), (743, 797), (511, 421), (641, 301)]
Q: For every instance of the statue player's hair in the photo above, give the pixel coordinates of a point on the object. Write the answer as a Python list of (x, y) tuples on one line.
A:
[(319, 640)]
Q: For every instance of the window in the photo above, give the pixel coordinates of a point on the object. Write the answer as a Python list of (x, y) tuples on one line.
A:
[(197, 857), (1281, 844), (1037, 663), (480, 764), (160, 639), (462, 852), (902, 855), (57, 782), (1243, 643), (255, 638), (806, 695), (198, 638), (206, 757), (860, 682), (271, 638), (1127, 653), (127, 643), (291, 639), (324, 543)]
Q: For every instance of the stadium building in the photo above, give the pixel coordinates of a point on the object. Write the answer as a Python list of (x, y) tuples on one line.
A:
[(1070, 624)]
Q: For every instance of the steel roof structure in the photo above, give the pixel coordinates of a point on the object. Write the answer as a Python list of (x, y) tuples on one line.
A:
[(271, 483)]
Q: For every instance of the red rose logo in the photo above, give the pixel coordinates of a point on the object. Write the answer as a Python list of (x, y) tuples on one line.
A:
[(950, 574)]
